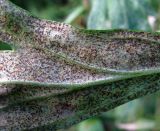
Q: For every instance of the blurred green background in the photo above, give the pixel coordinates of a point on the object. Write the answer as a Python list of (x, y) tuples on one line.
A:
[(140, 114)]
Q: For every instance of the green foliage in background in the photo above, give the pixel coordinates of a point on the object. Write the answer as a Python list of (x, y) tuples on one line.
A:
[(4, 46), (124, 14), (49, 9), (91, 125)]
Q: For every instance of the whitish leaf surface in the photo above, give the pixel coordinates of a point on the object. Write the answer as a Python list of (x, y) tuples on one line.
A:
[(123, 14)]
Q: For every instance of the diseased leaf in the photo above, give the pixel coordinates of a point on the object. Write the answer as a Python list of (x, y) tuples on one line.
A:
[(127, 14), (59, 75)]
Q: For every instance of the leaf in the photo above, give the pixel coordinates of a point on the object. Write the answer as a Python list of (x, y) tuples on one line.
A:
[(91, 125), (5, 46), (98, 16), (59, 75), (123, 14), (126, 14)]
